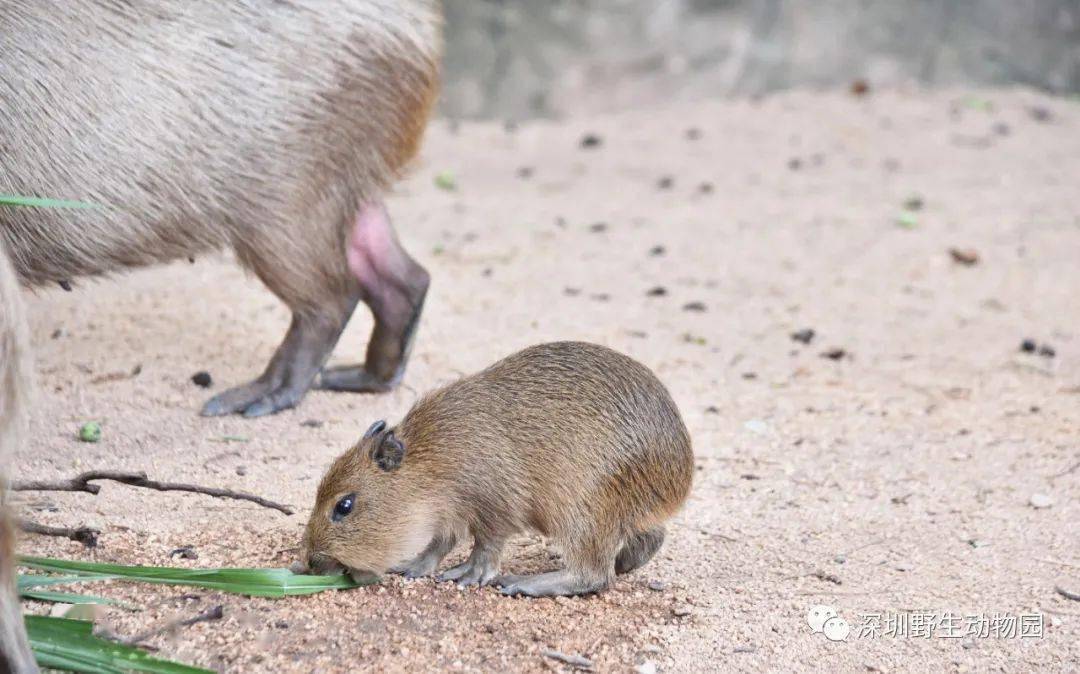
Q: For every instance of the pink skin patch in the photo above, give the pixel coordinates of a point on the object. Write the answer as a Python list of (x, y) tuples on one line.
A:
[(376, 259), (385, 271), (372, 242)]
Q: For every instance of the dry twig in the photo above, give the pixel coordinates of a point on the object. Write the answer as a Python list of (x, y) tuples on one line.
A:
[(85, 535), (82, 482), (215, 613), (575, 661), (1075, 596)]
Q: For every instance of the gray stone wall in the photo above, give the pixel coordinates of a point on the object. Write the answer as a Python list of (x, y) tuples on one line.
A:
[(525, 58)]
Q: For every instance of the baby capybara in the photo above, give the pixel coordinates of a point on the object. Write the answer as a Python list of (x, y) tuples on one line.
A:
[(572, 440)]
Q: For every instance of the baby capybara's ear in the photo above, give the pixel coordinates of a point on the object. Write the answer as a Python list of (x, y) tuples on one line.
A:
[(388, 452), (375, 429)]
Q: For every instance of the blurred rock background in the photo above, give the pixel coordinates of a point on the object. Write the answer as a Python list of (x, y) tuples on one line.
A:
[(517, 59)]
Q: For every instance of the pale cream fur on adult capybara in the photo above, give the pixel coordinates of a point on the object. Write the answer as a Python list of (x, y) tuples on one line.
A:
[(572, 440), (15, 656), (269, 127)]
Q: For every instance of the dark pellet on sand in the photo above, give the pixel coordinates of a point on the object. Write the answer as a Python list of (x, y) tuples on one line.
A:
[(804, 336), (591, 140)]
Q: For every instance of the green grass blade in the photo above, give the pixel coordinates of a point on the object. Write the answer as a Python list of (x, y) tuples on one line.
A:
[(26, 581), (251, 582), (70, 645), (35, 202), (71, 598)]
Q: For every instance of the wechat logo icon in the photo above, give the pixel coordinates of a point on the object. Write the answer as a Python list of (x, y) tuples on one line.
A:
[(824, 619)]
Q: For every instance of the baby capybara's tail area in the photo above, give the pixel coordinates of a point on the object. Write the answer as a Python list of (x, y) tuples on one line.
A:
[(639, 549)]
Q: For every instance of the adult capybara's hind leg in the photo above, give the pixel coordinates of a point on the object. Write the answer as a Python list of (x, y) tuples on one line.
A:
[(393, 285), (292, 369), (313, 279)]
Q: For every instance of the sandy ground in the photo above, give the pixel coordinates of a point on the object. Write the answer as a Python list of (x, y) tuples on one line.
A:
[(897, 478)]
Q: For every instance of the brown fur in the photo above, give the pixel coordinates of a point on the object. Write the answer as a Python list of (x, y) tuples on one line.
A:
[(14, 653), (254, 119), (572, 440), (198, 125)]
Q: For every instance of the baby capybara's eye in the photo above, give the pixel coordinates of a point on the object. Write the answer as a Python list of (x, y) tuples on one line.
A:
[(343, 507)]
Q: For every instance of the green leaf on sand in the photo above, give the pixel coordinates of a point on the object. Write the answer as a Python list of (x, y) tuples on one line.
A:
[(29, 581), (90, 432), (60, 643), (907, 220), (251, 582), (72, 598), (446, 180)]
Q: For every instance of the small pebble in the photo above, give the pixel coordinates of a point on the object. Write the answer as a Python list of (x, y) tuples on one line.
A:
[(1047, 351), (1040, 114), (705, 188), (202, 379), (693, 133), (184, 552), (1041, 501), (665, 183), (591, 140), (1028, 346), (598, 227), (657, 586), (965, 256), (804, 336), (914, 203), (311, 423), (657, 251), (658, 291), (835, 354), (681, 611), (698, 307)]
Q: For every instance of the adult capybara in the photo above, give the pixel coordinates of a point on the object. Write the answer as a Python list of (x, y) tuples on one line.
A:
[(271, 128)]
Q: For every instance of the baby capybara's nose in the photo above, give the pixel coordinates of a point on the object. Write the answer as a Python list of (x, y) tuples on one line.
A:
[(322, 565)]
